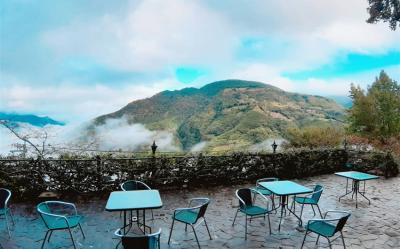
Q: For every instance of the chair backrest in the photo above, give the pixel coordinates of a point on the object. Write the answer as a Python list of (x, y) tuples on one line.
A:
[(5, 195), (317, 192), (203, 208), (149, 241), (134, 185), (43, 210), (244, 194), (270, 179), (342, 221)]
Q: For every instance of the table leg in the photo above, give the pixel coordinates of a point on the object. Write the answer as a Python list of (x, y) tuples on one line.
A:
[(351, 191), (363, 194), (282, 203), (144, 221), (124, 222), (356, 190)]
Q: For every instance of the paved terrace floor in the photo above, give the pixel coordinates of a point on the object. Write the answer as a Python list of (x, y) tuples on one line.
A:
[(370, 226)]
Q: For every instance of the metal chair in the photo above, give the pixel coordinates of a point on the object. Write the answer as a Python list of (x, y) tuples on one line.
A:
[(58, 215), (5, 196), (265, 191), (191, 215), (133, 185), (311, 199), (246, 206), (327, 227), (148, 241)]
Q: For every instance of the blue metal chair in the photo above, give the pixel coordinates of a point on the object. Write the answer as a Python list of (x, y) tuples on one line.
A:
[(5, 196), (133, 185), (192, 215), (311, 199), (327, 227), (265, 191), (148, 241), (58, 215), (247, 207)]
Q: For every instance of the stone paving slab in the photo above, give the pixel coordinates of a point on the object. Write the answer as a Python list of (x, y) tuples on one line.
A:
[(370, 226)]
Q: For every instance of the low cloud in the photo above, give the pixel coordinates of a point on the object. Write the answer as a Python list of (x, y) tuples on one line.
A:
[(118, 134), (266, 145), (199, 147)]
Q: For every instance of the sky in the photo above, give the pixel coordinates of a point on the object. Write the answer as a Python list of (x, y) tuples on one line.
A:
[(74, 60)]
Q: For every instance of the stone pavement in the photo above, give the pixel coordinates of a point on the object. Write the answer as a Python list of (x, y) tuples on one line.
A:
[(370, 226)]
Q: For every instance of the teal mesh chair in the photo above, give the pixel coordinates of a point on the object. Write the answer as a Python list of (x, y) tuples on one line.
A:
[(192, 215), (328, 227), (265, 191), (148, 241), (133, 185), (58, 215), (5, 196), (311, 199), (249, 209)]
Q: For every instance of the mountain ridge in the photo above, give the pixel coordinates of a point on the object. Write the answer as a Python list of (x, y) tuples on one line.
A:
[(228, 113), (30, 119)]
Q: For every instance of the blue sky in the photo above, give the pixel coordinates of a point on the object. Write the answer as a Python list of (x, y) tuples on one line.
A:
[(74, 60)]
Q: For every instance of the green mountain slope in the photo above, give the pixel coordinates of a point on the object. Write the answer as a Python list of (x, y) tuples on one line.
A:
[(230, 114)]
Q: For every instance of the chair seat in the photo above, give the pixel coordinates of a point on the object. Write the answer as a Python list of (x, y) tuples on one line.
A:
[(3, 211), (323, 228), (305, 200), (60, 223), (186, 216), (254, 210), (263, 191)]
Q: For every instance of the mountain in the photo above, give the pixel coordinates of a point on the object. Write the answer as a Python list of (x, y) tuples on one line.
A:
[(229, 114), (30, 119), (344, 101)]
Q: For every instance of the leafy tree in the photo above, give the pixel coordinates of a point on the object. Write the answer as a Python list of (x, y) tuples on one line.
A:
[(384, 10), (376, 113), (314, 137)]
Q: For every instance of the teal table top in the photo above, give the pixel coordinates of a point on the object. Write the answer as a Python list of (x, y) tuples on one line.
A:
[(134, 200), (359, 176), (285, 188)]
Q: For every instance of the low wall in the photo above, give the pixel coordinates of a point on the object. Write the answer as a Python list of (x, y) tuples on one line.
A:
[(27, 178)]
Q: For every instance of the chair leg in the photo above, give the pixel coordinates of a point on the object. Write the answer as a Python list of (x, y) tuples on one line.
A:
[(234, 219), (205, 222), (312, 206), (8, 226), (152, 215), (44, 240), (305, 235), (195, 235), (72, 238), (273, 203), (48, 238), (301, 211), (319, 210), (329, 241), (341, 234), (185, 227), (80, 227), (170, 232), (316, 242), (269, 224), (12, 217), (245, 229)]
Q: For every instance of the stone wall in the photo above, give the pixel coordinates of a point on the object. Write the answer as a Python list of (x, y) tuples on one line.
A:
[(27, 178)]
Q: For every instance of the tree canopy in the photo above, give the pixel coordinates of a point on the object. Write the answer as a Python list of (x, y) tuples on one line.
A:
[(376, 113), (384, 10)]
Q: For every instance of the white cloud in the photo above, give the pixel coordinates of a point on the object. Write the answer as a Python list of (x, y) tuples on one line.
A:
[(153, 35), (198, 147), (264, 73), (74, 103), (117, 134)]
